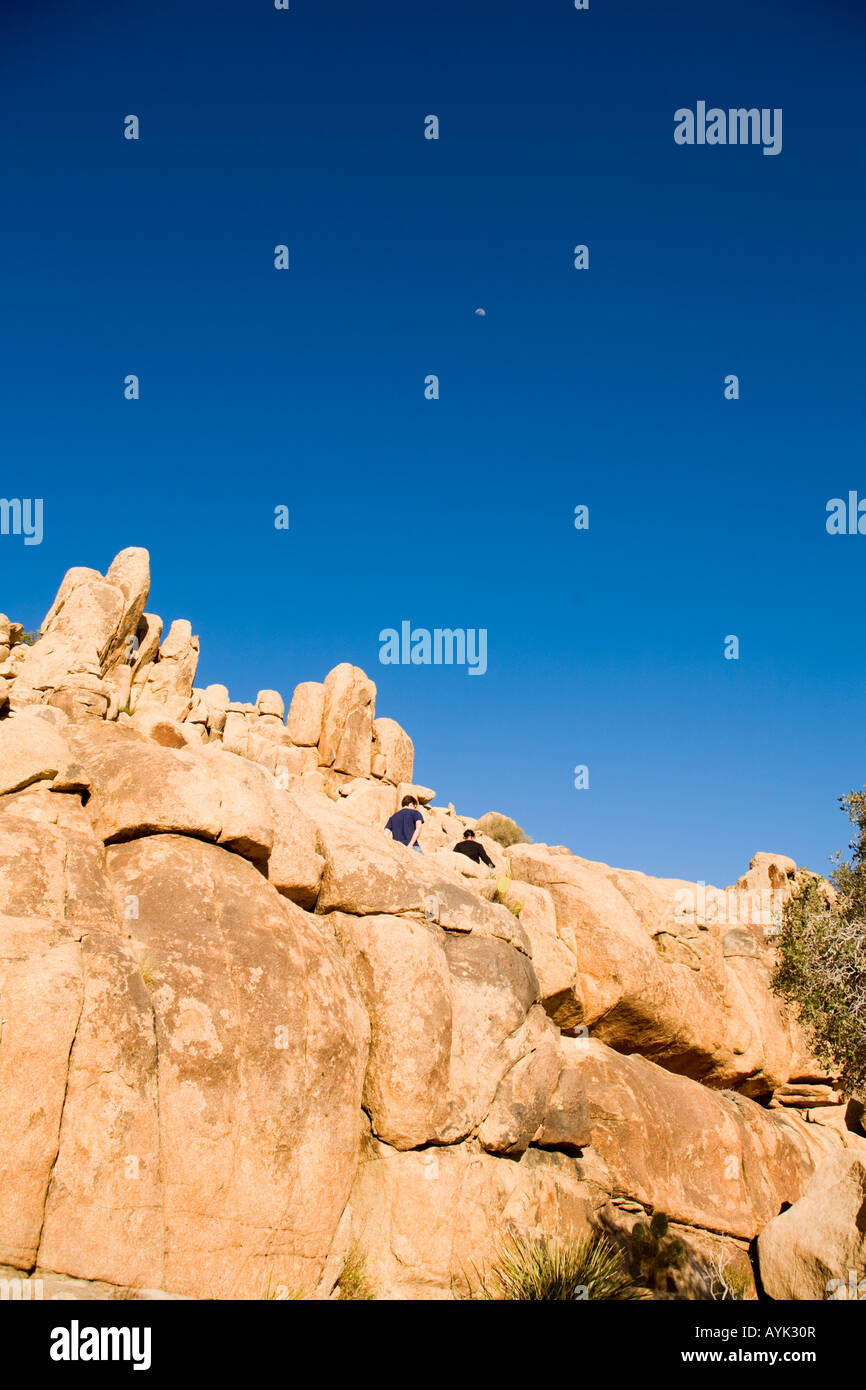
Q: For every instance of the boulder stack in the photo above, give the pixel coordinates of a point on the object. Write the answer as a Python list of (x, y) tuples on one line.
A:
[(242, 1031)]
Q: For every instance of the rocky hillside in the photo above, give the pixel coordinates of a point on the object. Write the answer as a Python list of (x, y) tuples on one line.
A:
[(243, 1033)]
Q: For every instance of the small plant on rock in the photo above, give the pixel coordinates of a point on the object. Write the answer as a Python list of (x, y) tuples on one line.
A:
[(503, 896), (355, 1284), (149, 973)]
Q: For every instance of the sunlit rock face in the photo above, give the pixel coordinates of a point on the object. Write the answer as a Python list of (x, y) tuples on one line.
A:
[(242, 1031)]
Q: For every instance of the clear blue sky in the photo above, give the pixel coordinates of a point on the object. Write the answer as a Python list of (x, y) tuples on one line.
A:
[(707, 517)]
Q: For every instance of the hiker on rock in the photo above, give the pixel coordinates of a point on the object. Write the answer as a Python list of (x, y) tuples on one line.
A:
[(406, 824), (473, 849)]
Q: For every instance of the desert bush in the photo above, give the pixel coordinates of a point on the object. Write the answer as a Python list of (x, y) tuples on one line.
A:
[(543, 1269), (724, 1283), (502, 829), (821, 961), (355, 1284)]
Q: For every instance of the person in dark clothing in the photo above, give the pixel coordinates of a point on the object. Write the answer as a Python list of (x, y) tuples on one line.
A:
[(470, 846), (406, 824)]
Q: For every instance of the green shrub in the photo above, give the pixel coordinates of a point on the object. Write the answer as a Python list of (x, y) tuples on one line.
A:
[(544, 1269), (821, 963), (502, 829)]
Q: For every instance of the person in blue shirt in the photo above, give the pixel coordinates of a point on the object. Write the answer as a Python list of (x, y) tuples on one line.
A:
[(406, 824)]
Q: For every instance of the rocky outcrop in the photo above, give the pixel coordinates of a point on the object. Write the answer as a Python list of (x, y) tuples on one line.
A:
[(650, 967), (634, 1121), (817, 1248), (242, 1031), (346, 740), (195, 1052), (394, 746), (167, 682), (305, 714), (609, 1149), (89, 629)]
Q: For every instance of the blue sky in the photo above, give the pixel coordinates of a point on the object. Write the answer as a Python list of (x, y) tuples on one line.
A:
[(306, 387)]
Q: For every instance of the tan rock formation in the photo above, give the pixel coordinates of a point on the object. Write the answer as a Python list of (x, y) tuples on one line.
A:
[(431, 1219), (168, 681), (346, 741), (270, 705), (744, 1161), (371, 803), (189, 1034), (817, 1248), (393, 744), (130, 572), (422, 795), (304, 723), (32, 749), (652, 975), (241, 1029)]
